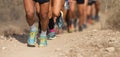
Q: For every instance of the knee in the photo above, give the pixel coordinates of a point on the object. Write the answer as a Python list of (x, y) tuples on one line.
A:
[(30, 14), (44, 16)]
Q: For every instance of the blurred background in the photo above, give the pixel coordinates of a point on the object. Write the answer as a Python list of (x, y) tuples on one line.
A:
[(12, 15), (103, 42)]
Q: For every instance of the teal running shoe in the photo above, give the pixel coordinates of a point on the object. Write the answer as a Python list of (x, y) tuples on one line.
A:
[(59, 21), (51, 35), (43, 41), (32, 37)]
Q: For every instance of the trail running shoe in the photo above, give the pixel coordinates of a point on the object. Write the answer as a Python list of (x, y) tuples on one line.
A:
[(71, 28), (52, 34), (43, 41), (59, 21), (80, 28), (32, 37), (97, 18), (84, 26)]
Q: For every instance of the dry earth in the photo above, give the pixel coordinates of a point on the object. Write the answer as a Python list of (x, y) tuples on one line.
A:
[(92, 42), (95, 41)]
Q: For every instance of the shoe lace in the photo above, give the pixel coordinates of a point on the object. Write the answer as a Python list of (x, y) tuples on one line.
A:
[(32, 34)]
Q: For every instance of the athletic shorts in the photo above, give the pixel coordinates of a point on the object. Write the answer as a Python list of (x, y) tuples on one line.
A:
[(66, 0), (80, 1), (90, 2), (41, 1), (94, 1)]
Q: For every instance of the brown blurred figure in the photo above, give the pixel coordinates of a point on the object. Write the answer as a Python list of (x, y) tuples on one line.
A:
[(56, 18), (72, 16), (81, 5), (96, 9)]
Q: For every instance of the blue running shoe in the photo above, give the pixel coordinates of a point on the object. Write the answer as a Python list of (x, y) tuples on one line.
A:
[(43, 41), (52, 34), (59, 21), (32, 37)]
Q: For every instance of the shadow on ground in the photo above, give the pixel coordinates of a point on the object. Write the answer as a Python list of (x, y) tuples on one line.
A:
[(20, 37)]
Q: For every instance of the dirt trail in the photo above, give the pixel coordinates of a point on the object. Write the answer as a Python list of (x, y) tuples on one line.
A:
[(92, 42)]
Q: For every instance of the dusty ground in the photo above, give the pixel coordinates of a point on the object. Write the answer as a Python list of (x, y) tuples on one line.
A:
[(96, 41), (92, 42)]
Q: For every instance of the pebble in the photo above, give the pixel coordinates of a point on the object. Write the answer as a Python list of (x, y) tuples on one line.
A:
[(3, 48), (3, 37), (57, 49), (95, 30), (110, 49)]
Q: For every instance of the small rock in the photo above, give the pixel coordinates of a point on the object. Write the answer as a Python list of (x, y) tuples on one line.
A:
[(3, 37), (95, 30), (58, 49), (110, 49), (3, 48), (100, 46)]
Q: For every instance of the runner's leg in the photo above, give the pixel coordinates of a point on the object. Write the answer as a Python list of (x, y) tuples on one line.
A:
[(58, 15), (89, 12), (81, 17), (44, 19), (29, 9), (72, 15)]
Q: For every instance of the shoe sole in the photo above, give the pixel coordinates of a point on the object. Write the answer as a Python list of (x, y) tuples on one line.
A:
[(52, 38), (30, 45)]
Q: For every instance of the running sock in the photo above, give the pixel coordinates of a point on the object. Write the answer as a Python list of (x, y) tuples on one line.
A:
[(33, 27), (52, 30), (84, 26), (43, 33)]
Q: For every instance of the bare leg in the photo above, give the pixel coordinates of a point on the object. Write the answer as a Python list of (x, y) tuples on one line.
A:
[(29, 8), (81, 12), (56, 8), (44, 9), (97, 6), (89, 13), (85, 12)]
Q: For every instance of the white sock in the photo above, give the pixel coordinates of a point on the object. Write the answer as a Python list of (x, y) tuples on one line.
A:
[(33, 27), (43, 33)]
